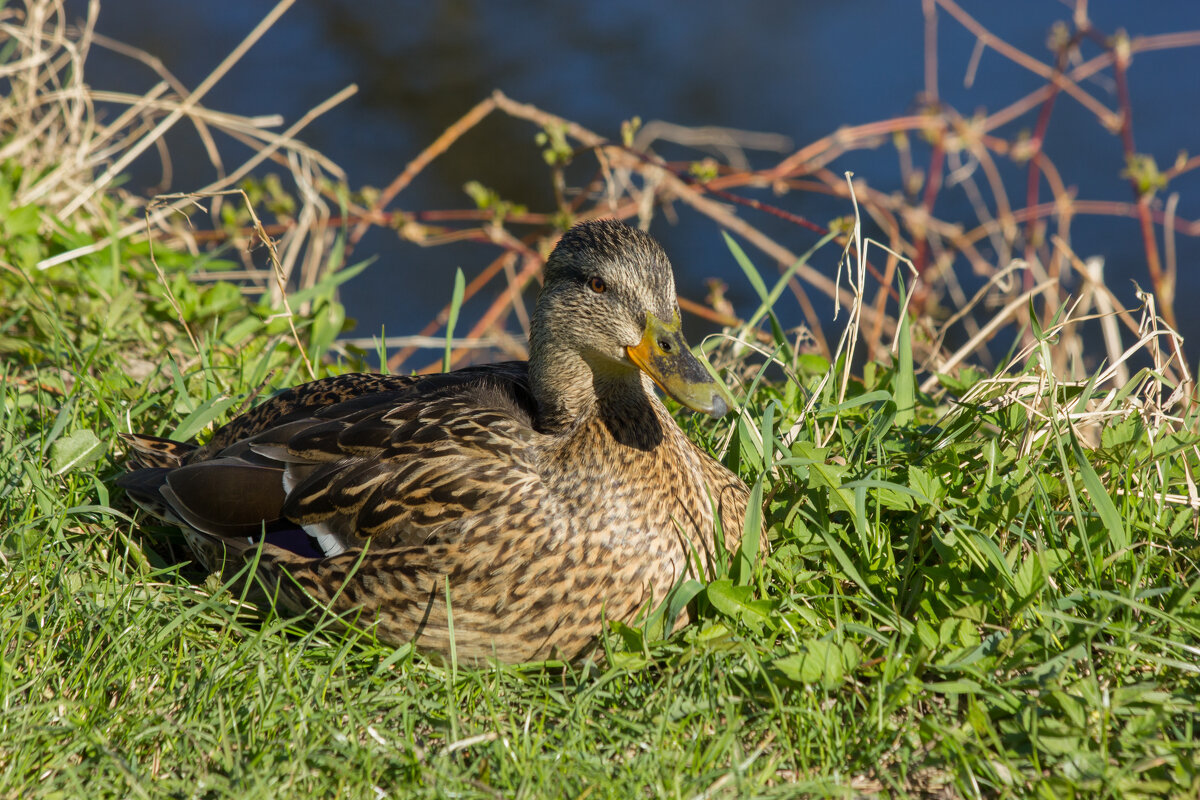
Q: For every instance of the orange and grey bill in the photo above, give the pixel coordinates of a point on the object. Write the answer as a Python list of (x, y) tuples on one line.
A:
[(664, 355)]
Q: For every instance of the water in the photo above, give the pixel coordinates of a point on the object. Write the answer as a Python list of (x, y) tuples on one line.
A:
[(797, 68)]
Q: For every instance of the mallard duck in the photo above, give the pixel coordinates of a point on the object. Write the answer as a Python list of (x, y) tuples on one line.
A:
[(523, 503)]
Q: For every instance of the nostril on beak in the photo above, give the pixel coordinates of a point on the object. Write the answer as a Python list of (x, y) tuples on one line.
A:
[(719, 407)]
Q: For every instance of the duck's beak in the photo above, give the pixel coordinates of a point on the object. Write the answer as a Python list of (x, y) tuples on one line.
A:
[(666, 358)]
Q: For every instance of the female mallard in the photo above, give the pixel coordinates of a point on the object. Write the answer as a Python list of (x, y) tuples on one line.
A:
[(536, 498)]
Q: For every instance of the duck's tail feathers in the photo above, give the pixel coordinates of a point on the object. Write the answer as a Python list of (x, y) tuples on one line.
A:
[(155, 452)]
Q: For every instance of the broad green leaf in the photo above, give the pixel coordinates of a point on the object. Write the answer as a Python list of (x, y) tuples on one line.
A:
[(819, 661), (927, 635), (925, 488), (76, 449), (735, 602)]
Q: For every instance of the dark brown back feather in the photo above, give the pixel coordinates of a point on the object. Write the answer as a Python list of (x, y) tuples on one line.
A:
[(227, 497)]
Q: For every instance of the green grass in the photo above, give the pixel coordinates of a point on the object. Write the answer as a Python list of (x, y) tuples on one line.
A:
[(990, 590), (964, 598)]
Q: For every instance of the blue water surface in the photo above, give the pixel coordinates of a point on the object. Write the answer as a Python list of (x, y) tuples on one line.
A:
[(801, 68)]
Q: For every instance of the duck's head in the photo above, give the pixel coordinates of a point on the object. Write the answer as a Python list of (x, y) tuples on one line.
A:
[(609, 300)]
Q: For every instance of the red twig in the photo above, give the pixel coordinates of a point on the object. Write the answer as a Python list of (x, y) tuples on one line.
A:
[(1165, 293)]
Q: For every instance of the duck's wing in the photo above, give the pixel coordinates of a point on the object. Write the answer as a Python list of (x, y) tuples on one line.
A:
[(305, 400), (406, 474), (155, 452), (396, 460)]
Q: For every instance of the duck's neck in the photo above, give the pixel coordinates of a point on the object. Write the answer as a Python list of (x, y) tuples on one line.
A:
[(562, 384), (571, 392)]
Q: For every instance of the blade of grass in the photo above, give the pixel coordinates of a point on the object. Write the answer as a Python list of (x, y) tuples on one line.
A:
[(452, 319), (905, 382)]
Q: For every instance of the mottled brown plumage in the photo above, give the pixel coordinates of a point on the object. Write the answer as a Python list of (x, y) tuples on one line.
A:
[(542, 498)]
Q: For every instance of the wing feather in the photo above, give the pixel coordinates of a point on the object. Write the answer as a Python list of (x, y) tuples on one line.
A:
[(425, 471), (385, 460)]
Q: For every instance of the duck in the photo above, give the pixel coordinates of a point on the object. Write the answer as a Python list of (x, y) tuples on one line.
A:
[(497, 512)]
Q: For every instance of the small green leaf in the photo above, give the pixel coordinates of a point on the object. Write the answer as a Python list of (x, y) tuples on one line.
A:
[(22, 221), (925, 488), (954, 632), (726, 597), (734, 602), (818, 661), (632, 638), (927, 635)]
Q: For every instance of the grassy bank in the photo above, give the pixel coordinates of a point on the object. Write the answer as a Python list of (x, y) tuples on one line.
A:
[(979, 584)]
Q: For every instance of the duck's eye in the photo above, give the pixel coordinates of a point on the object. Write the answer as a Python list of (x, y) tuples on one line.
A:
[(597, 284)]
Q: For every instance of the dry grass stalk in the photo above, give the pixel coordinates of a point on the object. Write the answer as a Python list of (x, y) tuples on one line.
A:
[(67, 157), (631, 182)]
